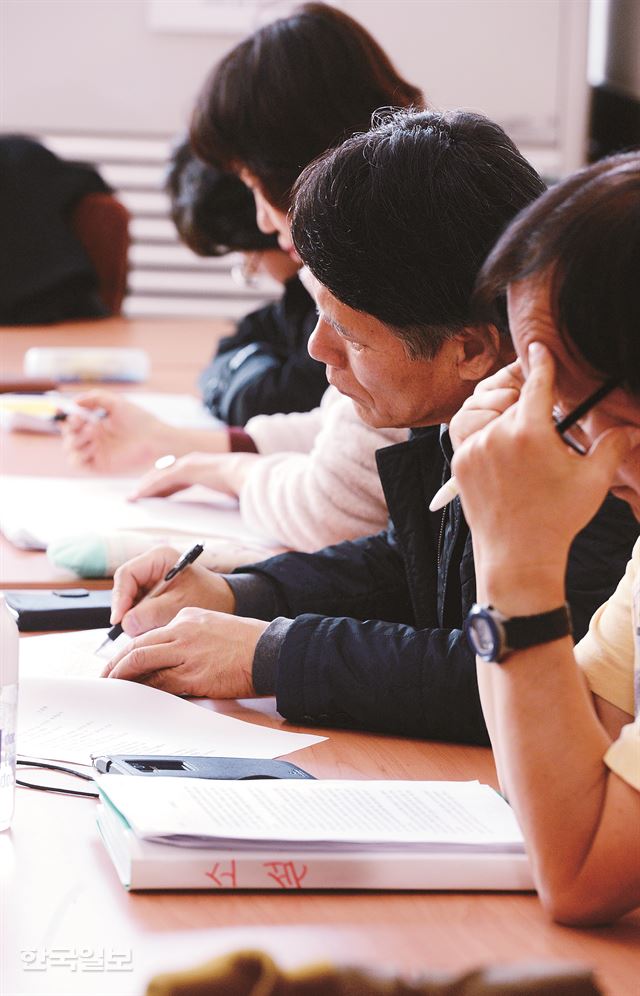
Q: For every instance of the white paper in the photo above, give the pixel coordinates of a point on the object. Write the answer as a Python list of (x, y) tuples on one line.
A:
[(183, 410), (35, 511), (70, 719), (381, 813), (67, 655)]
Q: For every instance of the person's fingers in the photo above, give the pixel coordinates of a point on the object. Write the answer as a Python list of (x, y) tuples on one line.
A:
[(512, 374), (167, 679), (149, 614), (83, 434), (85, 457), (138, 576), (159, 484), (497, 400), (149, 653), (537, 395), (97, 399)]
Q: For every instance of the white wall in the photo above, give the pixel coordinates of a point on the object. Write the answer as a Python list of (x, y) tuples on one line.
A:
[(96, 65)]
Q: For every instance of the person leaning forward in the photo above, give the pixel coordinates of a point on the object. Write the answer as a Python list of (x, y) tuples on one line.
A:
[(369, 633)]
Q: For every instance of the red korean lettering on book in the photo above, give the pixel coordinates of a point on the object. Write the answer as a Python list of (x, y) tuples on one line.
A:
[(287, 874), (223, 875)]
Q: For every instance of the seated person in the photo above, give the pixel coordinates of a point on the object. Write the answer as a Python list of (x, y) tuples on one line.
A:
[(369, 633), (265, 366), (45, 272), (561, 718), (251, 120), (335, 494)]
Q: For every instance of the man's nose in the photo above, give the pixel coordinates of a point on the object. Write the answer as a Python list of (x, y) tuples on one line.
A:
[(324, 345)]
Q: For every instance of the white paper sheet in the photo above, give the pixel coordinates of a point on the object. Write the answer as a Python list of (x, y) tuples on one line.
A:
[(69, 719), (183, 410), (378, 813), (35, 511), (67, 655)]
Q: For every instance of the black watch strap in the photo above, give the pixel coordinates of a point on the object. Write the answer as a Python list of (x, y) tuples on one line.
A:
[(528, 631)]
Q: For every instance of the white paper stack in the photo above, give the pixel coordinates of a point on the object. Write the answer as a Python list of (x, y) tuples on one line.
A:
[(165, 833)]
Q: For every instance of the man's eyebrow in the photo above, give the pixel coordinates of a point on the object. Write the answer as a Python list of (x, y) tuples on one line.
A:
[(335, 324)]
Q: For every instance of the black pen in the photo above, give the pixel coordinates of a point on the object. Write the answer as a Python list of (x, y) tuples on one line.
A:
[(160, 586)]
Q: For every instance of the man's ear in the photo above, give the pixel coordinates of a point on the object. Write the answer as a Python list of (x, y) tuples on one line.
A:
[(482, 351)]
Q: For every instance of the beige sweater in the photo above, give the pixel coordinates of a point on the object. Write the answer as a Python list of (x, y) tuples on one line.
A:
[(319, 483)]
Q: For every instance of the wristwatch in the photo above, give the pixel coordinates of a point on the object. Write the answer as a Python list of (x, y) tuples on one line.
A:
[(493, 636)]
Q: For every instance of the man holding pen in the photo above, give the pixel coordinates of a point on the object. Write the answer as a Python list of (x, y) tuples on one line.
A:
[(394, 225)]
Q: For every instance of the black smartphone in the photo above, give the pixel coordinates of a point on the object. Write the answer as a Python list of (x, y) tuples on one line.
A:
[(37, 610), (243, 768)]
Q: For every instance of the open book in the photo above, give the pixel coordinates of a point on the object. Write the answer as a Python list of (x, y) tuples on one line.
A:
[(184, 833)]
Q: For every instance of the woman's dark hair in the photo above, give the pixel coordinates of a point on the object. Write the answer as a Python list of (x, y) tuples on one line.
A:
[(213, 211), (290, 91), (584, 232), (397, 222)]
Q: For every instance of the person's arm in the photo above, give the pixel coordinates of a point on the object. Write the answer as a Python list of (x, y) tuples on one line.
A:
[(525, 495), (226, 473), (128, 437)]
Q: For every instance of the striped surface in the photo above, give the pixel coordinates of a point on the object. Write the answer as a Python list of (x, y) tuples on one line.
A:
[(165, 278)]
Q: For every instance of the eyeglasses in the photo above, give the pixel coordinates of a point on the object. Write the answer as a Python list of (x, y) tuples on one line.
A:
[(565, 422)]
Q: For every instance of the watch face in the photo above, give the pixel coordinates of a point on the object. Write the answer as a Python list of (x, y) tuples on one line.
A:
[(482, 633)]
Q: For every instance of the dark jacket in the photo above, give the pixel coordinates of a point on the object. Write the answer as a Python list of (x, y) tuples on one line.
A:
[(265, 367), (45, 274), (414, 673)]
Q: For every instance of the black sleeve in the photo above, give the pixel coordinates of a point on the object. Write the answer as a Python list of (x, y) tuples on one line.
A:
[(364, 578), (265, 367), (382, 677), (359, 672)]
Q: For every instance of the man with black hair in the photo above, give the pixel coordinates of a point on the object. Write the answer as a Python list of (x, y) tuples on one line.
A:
[(394, 225)]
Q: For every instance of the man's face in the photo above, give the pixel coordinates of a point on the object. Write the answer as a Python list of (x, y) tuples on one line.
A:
[(370, 365), (530, 320)]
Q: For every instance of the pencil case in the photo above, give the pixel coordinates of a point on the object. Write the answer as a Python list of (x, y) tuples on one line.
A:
[(87, 363)]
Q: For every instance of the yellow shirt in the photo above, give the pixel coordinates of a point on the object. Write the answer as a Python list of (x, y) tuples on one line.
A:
[(609, 655)]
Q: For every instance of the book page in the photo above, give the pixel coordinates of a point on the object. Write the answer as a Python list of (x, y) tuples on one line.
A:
[(463, 814), (71, 719)]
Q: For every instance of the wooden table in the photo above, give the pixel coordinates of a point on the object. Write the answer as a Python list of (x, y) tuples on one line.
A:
[(60, 897), (179, 349), (60, 894)]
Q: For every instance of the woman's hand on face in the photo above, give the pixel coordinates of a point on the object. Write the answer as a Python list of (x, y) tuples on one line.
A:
[(127, 437), (490, 399), (525, 493), (195, 586)]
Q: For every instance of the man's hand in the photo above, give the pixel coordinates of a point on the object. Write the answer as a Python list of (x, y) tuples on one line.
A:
[(200, 653), (195, 586), (490, 399), (126, 439), (225, 473)]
